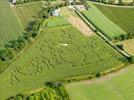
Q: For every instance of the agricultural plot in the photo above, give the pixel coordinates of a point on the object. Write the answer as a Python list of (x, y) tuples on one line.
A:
[(76, 21), (54, 22), (27, 12), (57, 54), (128, 46), (118, 86), (122, 16), (96, 17), (10, 28)]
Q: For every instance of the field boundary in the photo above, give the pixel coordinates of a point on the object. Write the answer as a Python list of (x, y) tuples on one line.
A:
[(93, 76), (111, 5), (102, 35), (101, 79)]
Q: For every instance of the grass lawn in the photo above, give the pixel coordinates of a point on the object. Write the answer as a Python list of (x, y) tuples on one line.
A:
[(128, 46), (97, 18), (122, 16), (26, 12), (58, 53), (10, 28), (118, 86)]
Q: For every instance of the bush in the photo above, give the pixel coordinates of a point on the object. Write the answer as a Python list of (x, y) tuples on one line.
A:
[(120, 46), (98, 75), (132, 59)]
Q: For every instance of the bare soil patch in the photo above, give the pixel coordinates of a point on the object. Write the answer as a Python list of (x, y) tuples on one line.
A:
[(76, 21), (80, 25)]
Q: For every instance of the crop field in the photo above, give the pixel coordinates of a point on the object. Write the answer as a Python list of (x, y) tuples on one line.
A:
[(10, 28), (118, 86), (57, 54), (128, 46), (54, 22), (28, 11), (96, 17), (122, 16)]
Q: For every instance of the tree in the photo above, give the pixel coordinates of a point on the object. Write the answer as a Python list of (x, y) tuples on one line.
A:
[(120, 2), (98, 74), (27, 36), (132, 59), (5, 55), (120, 46), (34, 34)]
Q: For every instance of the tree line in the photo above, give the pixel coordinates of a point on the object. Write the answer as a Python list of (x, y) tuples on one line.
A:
[(117, 2), (28, 1), (51, 91)]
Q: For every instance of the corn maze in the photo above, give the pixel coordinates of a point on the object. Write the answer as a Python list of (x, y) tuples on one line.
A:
[(60, 53), (64, 49)]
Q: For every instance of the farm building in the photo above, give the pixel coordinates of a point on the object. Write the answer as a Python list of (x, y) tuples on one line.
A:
[(13, 1), (56, 12)]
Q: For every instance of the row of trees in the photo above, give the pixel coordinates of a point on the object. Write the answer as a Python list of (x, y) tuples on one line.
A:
[(15, 46), (27, 1), (117, 2), (52, 91), (124, 36)]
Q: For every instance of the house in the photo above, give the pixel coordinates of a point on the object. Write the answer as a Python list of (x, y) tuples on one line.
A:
[(14, 1), (56, 12), (71, 1)]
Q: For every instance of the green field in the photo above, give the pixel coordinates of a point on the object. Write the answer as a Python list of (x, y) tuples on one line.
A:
[(128, 46), (122, 16), (57, 54), (27, 12), (119, 86), (54, 22), (96, 17), (10, 28)]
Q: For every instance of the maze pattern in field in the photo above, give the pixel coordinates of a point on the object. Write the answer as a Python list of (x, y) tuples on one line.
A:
[(57, 54)]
